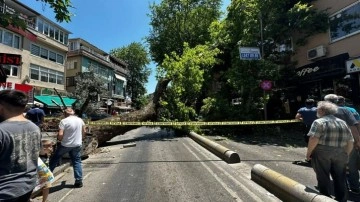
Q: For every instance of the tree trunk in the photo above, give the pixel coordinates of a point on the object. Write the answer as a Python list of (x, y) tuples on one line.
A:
[(148, 113)]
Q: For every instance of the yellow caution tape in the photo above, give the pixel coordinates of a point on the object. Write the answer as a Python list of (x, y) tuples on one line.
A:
[(191, 123)]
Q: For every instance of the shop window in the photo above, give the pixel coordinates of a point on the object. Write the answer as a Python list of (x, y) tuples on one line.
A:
[(345, 22)]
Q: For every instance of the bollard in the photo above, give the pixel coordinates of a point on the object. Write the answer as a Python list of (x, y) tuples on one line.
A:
[(283, 187), (219, 150)]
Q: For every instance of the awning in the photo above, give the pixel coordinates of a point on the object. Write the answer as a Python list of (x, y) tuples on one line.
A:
[(117, 76), (48, 100)]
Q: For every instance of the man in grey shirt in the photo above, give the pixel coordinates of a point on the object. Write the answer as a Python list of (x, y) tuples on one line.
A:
[(348, 117), (19, 148)]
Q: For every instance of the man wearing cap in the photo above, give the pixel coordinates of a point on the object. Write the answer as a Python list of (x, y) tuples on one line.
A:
[(36, 115), (348, 117), (71, 132)]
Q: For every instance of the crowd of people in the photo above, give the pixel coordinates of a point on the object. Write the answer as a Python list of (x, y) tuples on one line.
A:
[(332, 135), (26, 160)]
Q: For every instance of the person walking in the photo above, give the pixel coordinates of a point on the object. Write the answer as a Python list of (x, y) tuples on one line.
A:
[(71, 132), (344, 114), (20, 141), (36, 115), (329, 146), (307, 115)]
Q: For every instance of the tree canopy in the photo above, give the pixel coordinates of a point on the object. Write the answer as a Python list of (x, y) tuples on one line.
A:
[(174, 22), (137, 59)]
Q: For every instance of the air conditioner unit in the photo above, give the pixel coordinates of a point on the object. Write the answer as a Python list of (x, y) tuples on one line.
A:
[(316, 52)]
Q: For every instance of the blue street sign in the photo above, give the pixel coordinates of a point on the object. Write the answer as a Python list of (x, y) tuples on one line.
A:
[(249, 53)]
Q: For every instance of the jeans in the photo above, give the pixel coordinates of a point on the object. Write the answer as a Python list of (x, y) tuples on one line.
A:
[(353, 176), (75, 156)]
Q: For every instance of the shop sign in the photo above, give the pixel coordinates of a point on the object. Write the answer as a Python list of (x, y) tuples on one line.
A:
[(353, 65), (307, 70), (29, 90), (10, 59)]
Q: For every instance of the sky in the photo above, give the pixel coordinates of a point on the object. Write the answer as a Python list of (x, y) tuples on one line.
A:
[(110, 25)]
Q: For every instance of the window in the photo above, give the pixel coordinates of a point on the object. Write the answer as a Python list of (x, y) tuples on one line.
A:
[(34, 73), (61, 37), (60, 59), (56, 34), (44, 53), (52, 32), (52, 76), (16, 42), (345, 22), (60, 78), (46, 29), (35, 50), (40, 26), (52, 56), (11, 70), (44, 75), (8, 38), (70, 81)]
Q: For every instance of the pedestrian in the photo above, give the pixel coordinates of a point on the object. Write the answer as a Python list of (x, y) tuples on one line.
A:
[(341, 103), (307, 115), (20, 141), (71, 132), (329, 146), (36, 115), (348, 117), (45, 154)]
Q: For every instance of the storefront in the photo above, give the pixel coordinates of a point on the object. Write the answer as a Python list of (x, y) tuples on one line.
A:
[(326, 76)]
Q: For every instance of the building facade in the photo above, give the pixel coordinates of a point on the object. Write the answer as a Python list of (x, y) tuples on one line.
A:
[(42, 47), (330, 62), (83, 56)]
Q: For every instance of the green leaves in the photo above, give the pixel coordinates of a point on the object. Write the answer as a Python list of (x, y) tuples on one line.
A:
[(137, 59)]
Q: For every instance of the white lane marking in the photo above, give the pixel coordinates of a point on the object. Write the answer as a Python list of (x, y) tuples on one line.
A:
[(243, 187), (231, 192), (67, 194)]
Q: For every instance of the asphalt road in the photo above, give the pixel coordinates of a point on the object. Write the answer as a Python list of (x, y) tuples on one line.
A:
[(161, 167)]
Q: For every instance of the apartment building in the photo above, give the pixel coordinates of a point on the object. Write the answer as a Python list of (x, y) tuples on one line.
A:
[(330, 62), (83, 56), (42, 48)]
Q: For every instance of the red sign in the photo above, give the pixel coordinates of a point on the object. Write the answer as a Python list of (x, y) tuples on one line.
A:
[(10, 59), (29, 90), (266, 85)]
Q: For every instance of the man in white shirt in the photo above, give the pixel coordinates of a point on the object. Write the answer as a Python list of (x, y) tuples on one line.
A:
[(71, 132)]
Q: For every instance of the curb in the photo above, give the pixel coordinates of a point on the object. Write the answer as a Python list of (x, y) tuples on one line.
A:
[(219, 150), (283, 187)]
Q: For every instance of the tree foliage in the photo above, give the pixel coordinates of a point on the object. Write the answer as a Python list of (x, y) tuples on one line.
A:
[(60, 7), (89, 87), (186, 72), (175, 22), (284, 23), (137, 59)]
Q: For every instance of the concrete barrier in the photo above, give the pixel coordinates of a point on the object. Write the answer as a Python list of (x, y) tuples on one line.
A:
[(219, 150), (283, 187)]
